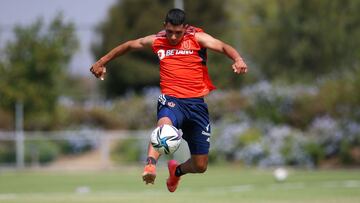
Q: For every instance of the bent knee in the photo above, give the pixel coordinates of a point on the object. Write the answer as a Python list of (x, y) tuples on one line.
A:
[(199, 163), (200, 168)]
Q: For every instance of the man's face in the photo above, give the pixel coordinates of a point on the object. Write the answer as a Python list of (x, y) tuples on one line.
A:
[(174, 33)]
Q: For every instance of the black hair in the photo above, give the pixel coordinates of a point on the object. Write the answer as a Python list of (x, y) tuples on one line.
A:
[(175, 16)]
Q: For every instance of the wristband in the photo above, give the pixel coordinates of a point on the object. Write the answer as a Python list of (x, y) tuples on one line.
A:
[(150, 160)]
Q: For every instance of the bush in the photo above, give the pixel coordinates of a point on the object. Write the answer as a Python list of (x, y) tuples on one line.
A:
[(6, 120), (133, 112), (251, 135), (127, 150), (275, 103), (315, 152), (226, 106), (75, 145), (41, 151), (36, 152), (264, 145), (345, 152), (7, 152)]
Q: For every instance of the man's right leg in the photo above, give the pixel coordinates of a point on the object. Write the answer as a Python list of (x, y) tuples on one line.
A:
[(149, 173)]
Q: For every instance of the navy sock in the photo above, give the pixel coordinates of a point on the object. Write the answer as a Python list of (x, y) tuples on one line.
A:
[(178, 171)]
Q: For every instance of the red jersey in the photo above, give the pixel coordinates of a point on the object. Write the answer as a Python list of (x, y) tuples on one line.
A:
[(183, 71)]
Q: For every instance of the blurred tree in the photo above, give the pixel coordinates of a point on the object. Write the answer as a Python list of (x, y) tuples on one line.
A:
[(129, 19), (34, 64), (300, 39), (214, 18)]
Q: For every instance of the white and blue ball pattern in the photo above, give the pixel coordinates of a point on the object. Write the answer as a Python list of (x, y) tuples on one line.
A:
[(165, 139)]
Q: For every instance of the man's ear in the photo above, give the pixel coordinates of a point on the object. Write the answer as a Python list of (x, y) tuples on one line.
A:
[(185, 27)]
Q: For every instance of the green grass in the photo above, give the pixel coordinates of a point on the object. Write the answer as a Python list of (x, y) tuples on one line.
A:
[(218, 184)]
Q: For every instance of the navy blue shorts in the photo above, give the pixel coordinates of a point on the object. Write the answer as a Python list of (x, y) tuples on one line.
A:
[(191, 115)]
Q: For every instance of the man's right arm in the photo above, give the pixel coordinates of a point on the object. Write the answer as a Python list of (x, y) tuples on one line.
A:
[(98, 68)]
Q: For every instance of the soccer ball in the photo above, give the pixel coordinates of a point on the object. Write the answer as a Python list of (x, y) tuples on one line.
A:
[(165, 139), (280, 174)]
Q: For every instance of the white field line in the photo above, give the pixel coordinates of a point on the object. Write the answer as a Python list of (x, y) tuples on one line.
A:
[(7, 196), (344, 183), (213, 190), (285, 186)]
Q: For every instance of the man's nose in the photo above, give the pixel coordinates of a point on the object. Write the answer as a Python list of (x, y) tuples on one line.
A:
[(173, 37)]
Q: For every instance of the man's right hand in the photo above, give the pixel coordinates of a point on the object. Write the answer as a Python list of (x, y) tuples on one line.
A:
[(98, 70)]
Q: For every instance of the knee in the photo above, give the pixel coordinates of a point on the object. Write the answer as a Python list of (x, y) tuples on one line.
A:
[(200, 167)]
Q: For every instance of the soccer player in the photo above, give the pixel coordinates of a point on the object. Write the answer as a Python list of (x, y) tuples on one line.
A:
[(184, 81)]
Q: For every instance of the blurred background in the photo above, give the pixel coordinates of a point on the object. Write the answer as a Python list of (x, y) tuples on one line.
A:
[(298, 106), (287, 131)]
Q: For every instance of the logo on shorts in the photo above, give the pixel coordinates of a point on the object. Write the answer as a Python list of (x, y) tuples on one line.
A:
[(208, 127), (162, 99), (171, 104), (207, 133)]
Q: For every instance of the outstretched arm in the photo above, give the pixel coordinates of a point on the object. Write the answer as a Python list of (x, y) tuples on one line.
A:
[(210, 42), (98, 68)]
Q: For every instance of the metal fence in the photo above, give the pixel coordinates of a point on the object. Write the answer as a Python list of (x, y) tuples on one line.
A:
[(100, 141)]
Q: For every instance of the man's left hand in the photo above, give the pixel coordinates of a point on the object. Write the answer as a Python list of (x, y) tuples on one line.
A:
[(240, 67)]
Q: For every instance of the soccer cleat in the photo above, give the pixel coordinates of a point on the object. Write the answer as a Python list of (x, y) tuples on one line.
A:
[(173, 181), (149, 174)]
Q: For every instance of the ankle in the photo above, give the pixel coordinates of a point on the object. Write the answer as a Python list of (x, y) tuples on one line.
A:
[(150, 161), (178, 171)]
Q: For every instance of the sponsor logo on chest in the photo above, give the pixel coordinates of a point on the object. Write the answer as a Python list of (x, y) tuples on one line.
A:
[(172, 52)]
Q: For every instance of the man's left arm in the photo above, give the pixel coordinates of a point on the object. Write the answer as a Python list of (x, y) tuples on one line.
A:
[(207, 41)]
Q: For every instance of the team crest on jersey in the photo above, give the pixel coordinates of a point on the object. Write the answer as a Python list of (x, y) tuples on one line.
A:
[(171, 104), (186, 44)]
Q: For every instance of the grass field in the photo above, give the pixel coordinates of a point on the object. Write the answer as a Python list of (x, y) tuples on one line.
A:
[(219, 184)]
